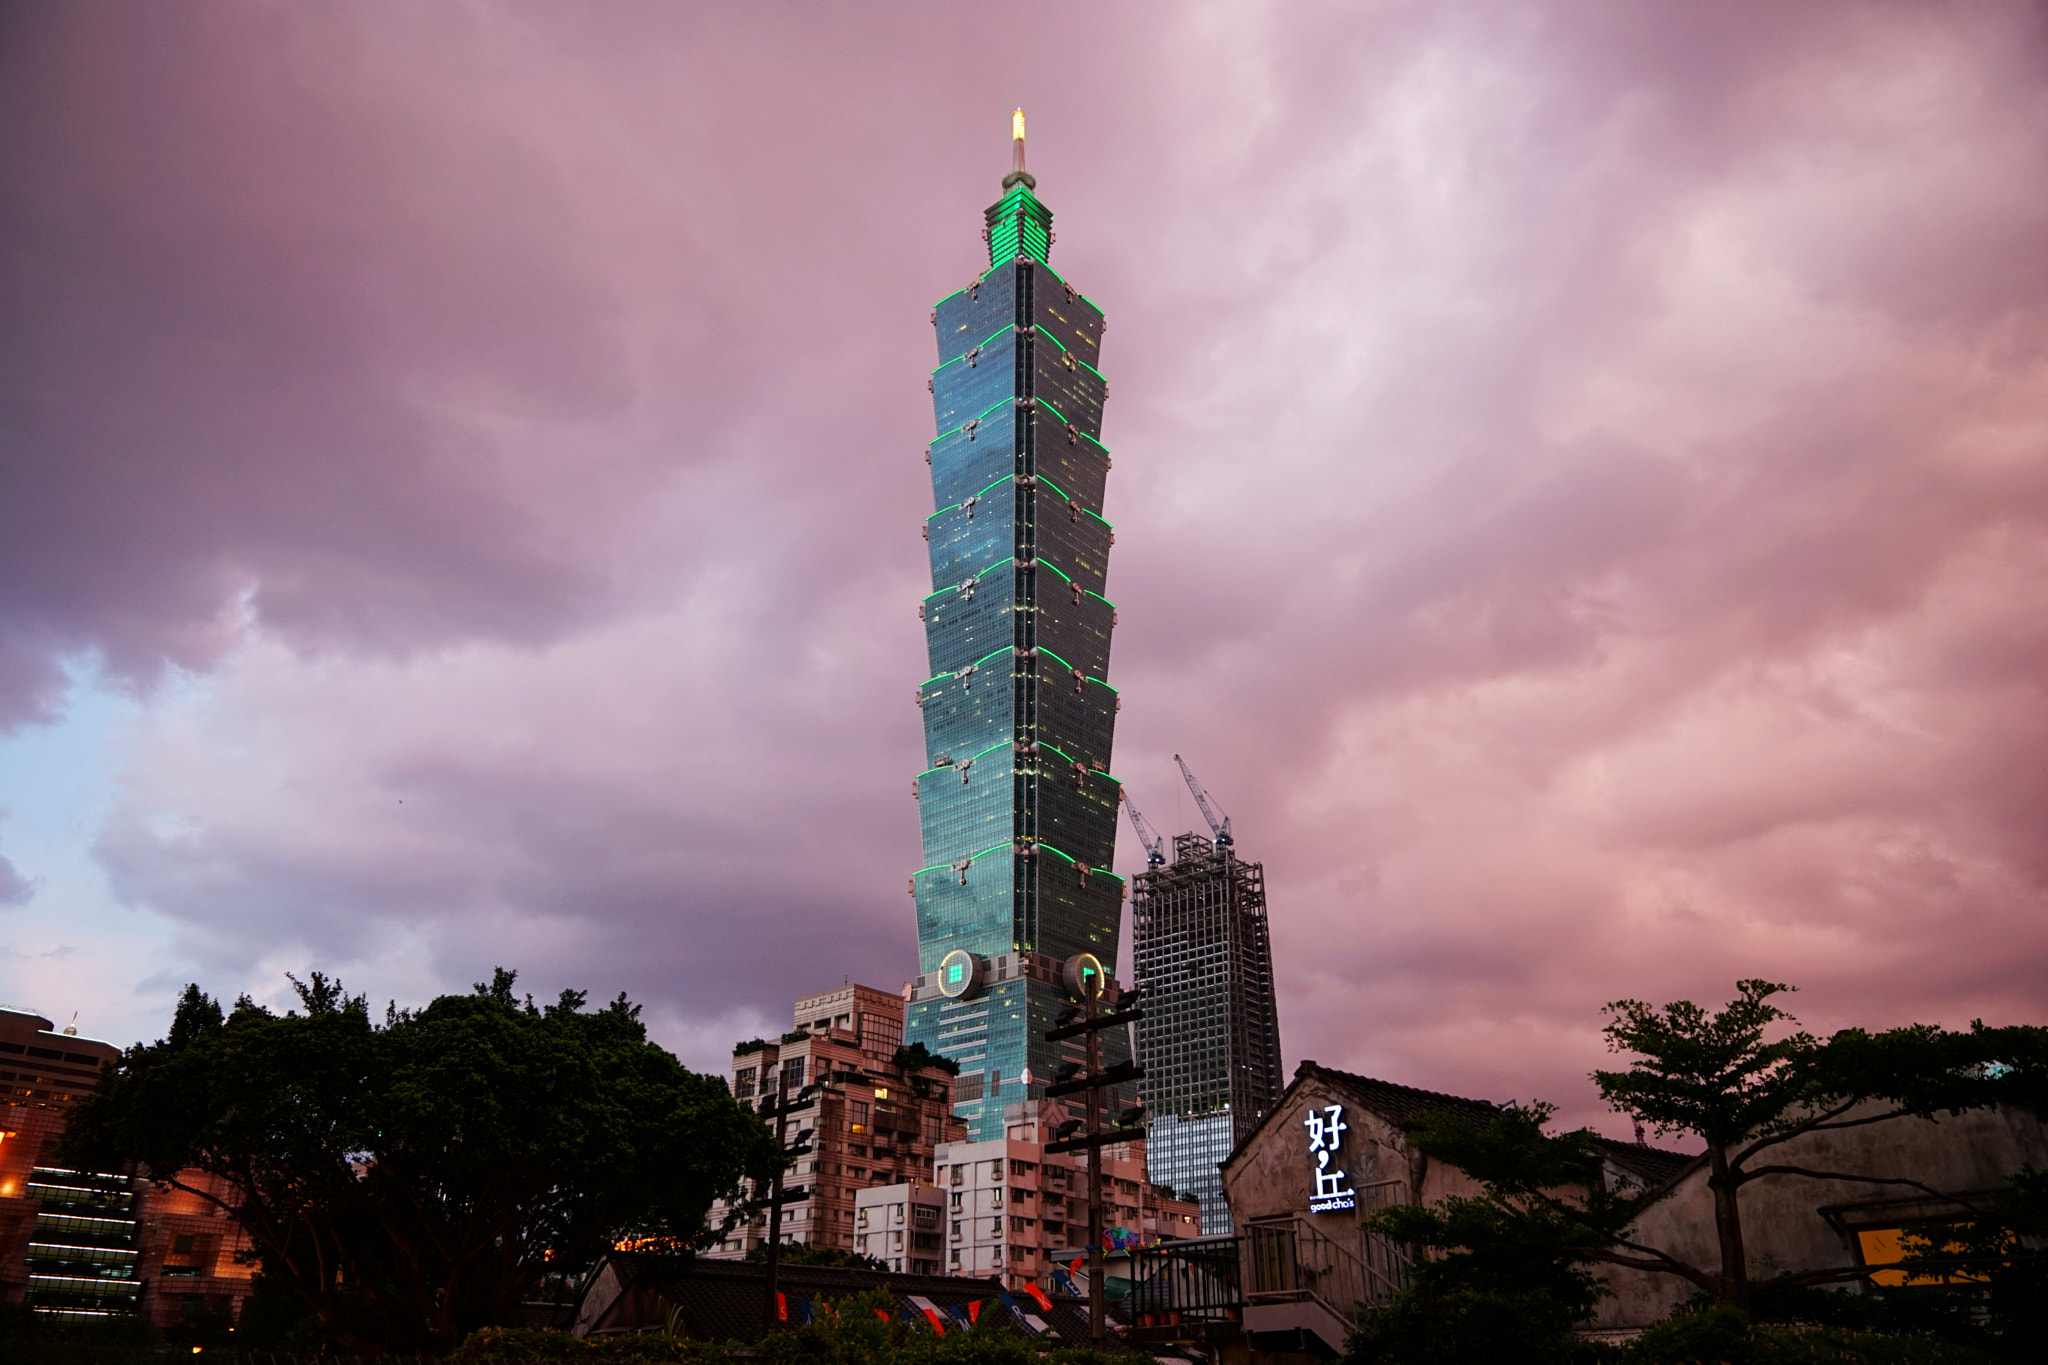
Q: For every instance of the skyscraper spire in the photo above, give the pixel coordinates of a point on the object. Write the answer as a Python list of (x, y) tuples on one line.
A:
[(1018, 175)]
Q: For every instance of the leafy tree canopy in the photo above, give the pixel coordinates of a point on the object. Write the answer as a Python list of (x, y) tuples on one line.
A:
[(1503, 1275), (915, 1057), (411, 1179)]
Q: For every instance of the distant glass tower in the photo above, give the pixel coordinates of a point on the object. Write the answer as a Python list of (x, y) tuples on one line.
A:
[(1210, 1038), (1018, 808)]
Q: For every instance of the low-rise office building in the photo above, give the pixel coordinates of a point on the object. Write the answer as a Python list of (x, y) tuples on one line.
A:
[(89, 1244)]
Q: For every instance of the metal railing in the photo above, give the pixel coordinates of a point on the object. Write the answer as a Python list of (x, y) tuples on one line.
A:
[(1283, 1260), (1176, 1283), (1289, 1259)]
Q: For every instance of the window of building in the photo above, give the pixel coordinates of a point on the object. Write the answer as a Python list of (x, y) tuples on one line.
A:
[(794, 1070), (743, 1087), (926, 1216), (995, 1169), (956, 1236), (860, 1218), (1886, 1246), (896, 1214)]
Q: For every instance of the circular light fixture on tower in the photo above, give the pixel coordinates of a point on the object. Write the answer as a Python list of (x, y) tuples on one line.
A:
[(1083, 977), (960, 974)]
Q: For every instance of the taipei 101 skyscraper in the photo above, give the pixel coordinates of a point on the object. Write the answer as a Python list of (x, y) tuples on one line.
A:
[(1017, 805)]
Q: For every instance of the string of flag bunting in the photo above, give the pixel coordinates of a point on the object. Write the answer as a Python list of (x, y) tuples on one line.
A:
[(932, 1315)]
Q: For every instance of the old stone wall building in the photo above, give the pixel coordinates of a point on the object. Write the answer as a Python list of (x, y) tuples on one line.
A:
[(1795, 1224), (1332, 1150)]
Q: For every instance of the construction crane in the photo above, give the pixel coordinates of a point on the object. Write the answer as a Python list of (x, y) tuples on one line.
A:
[(1219, 824), (1155, 847)]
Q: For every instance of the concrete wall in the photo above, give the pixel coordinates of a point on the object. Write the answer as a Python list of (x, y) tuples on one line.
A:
[(1784, 1228)]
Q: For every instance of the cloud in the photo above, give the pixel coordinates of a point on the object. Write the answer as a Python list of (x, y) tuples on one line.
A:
[(1579, 487), (15, 889)]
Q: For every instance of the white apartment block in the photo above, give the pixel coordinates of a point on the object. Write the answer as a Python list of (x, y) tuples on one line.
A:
[(903, 1226)]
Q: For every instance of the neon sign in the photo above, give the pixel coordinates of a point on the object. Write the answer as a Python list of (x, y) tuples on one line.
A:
[(1326, 1129)]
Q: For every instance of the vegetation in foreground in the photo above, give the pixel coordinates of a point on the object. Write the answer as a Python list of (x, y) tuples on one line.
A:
[(408, 1181), (852, 1334)]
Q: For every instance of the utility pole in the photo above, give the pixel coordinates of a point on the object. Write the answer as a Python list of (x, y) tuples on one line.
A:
[(1085, 981), (781, 1107)]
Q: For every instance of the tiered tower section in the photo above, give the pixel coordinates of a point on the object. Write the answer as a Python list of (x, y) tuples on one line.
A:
[(1017, 805)]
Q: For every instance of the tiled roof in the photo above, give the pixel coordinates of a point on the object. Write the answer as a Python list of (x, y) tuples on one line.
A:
[(1650, 1165), (1403, 1103), (722, 1300)]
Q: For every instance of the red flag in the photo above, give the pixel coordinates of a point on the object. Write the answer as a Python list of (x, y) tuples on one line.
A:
[(781, 1308), (932, 1316), (882, 1313), (974, 1311), (1075, 1265), (1035, 1292)]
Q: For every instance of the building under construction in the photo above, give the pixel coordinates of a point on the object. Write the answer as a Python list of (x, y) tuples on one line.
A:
[(1210, 1038)]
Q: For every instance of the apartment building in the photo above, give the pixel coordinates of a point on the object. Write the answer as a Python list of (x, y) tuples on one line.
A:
[(1006, 1208), (876, 1120), (903, 1226)]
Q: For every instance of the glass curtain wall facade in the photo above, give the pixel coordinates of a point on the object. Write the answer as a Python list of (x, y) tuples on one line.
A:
[(1210, 1038), (1016, 802)]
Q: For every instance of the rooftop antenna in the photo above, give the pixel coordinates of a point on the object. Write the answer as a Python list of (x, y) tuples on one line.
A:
[(71, 1029), (1018, 175)]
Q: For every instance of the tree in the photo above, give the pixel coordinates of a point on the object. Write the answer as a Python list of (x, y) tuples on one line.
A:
[(1996, 1259), (413, 1179), (915, 1057), (1505, 1277), (1720, 1077)]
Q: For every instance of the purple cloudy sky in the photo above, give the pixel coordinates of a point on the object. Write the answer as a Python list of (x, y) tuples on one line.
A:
[(1581, 481)]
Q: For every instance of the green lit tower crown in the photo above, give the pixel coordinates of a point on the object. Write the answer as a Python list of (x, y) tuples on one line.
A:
[(1017, 805)]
